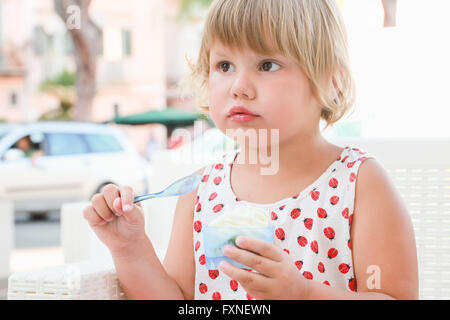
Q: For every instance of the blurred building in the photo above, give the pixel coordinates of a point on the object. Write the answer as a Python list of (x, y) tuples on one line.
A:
[(35, 46)]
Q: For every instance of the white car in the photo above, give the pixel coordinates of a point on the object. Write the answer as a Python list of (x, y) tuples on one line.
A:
[(76, 160)]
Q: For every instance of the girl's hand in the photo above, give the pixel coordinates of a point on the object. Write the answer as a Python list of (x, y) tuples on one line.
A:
[(118, 222), (277, 277)]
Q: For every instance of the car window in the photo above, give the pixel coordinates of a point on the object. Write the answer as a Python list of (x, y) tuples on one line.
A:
[(65, 143), (102, 143)]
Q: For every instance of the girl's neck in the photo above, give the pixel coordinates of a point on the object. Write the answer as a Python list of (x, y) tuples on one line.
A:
[(295, 155)]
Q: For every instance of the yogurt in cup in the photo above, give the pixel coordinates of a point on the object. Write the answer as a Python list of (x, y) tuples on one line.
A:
[(242, 220)]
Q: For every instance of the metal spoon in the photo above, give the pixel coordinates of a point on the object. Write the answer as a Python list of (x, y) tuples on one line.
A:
[(178, 188)]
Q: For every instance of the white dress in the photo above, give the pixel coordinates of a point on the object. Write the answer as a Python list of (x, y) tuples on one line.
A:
[(313, 226)]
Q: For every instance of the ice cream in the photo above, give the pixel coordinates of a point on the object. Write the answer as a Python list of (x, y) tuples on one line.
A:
[(242, 220), (242, 216)]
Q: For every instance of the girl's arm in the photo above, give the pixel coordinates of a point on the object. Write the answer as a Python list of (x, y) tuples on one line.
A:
[(384, 248), (142, 275)]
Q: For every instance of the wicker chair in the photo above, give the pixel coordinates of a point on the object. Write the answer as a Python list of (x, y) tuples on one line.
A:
[(420, 169)]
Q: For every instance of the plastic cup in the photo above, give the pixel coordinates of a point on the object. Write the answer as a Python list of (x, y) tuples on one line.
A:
[(215, 238)]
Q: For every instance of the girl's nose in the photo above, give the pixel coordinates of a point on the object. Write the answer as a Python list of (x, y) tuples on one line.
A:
[(242, 88)]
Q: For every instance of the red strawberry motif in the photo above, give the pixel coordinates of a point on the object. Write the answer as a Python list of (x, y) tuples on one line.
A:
[(308, 222), (219, 166), (345, 213), (237, 199), (351, 164), (295, 213), (217, 180), (299, 264), (333, 183), (322, 213), (315, 247), (326, 283), (329, 233), (202, 259), (202, 288), (213, 274), (308, 275), (321, 267), (345, 158), (334, 200), (315, 194), (205, 178), (302, 241), (282, 207), (352, 284), (234, 285), (349, 244), (332, 253), (350, 219), (212, 196), (198, 207), (343, 268), (216, 296), (273, 215), (296, 196), (197, 245), (352, 177), (286, 250), (279, 233), (249, 297), (217, 207), (198, 226)]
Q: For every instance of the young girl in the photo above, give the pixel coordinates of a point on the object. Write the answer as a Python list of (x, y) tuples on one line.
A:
[(341, 229)]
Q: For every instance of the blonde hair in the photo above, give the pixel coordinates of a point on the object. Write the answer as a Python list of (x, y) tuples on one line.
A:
[(312, 32)]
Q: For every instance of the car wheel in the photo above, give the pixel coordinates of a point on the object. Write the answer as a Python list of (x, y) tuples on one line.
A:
[(38, 216)]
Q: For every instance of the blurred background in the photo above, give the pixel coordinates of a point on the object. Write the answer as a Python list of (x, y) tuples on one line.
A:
[(88, 85)]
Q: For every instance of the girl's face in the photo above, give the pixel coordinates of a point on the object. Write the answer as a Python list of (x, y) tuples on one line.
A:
[(274, 88)]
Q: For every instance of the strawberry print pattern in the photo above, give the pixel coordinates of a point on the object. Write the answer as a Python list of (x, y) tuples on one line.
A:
[(312, 226)]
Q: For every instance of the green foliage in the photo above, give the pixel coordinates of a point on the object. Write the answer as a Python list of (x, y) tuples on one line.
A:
[(65, 79), (188, 7), (61, 87)]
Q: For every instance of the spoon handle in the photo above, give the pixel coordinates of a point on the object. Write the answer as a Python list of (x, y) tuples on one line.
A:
[(147, 196)]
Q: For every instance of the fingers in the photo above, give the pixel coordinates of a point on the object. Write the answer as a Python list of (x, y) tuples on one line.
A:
[(92, 217), (126, 196), (251, 281), (261, 247), (112, 200), (124, 205), (101, 207), (110, 192), (254, 261)]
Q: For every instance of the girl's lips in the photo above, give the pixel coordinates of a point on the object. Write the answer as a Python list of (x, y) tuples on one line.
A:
[(241, 114), (242, 117)]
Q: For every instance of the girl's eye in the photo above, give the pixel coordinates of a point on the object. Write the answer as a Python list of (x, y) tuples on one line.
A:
[(225, 66), (267, 66)]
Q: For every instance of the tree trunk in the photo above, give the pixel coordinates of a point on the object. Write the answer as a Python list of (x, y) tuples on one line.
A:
[(390, 13), (85, 35)]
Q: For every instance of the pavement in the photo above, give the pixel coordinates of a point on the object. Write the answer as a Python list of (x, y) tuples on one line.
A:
[(37, 245)]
